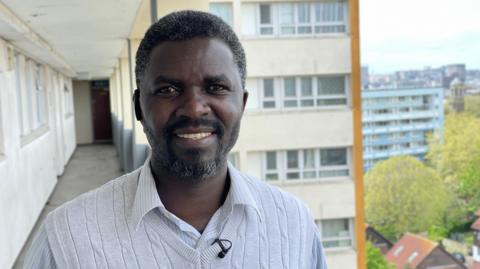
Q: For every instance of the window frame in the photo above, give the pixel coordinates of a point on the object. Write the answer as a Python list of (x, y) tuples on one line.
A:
[(264, 99), (229, 6), (32, 99), (272, 23), (277, 26), (351, 237), (283, 171), (280, 98)]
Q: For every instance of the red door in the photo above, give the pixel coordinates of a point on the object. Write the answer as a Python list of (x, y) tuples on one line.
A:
[(102, 123)]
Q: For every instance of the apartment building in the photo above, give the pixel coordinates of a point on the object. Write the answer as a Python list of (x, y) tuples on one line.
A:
[(399, 122), (298, 129)]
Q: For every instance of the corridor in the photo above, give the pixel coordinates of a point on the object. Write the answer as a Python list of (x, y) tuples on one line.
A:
[(91, 166)]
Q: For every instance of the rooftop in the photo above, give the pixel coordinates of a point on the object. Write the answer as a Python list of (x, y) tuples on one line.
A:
[(476, 225), (410, 249)]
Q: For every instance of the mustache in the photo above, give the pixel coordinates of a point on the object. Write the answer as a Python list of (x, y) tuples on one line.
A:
[(185, 122)]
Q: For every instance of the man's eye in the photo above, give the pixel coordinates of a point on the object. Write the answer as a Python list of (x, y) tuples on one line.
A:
[(217, 89), (167, 91)]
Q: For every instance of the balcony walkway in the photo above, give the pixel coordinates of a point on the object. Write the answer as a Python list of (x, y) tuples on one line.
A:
[(91, 166)]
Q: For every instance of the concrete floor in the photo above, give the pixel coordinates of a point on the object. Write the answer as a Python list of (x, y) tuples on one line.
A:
[(90, 166)]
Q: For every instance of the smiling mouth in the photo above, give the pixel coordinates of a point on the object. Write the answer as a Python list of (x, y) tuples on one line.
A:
[(195, 136)]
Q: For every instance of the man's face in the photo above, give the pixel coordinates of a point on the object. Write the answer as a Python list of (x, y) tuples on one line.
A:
[(192, 103)]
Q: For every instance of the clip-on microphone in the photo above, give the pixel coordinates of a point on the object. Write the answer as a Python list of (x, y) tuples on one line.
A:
[(224, 250)]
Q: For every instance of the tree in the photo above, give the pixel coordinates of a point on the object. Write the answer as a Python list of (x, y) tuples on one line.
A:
[(460, 144), (472, 105), (402, 194), (375, 259), (469, 185)]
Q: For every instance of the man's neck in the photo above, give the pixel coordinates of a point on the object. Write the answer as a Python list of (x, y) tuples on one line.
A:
[(193, 202)]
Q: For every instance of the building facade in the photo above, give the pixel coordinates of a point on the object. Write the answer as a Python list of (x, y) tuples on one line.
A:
[(298, 129), (37, 134), (399, 122)]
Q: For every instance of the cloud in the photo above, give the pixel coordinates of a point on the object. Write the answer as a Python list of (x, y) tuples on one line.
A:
[(412, 33)]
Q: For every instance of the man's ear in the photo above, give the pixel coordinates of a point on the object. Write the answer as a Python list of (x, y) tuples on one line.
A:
[(245, 98), (136, 103)]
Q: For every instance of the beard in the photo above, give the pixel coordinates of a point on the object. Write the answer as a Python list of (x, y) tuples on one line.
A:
[(195, 169)]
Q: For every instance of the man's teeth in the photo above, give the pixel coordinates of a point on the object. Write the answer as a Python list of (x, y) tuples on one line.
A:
[(195, 136)]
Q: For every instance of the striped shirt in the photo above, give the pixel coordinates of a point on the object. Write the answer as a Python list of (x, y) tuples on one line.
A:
[(124, 224)]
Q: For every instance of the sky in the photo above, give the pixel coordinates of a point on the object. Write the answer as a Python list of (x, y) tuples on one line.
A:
[(412, 34)]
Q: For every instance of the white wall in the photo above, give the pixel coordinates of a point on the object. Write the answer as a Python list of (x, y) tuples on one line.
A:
[(341, 259), (262, 131), (83, 112), (28, 164), (297, 56)]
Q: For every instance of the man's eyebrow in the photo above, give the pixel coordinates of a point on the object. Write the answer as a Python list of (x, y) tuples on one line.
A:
[(216, 79), (162, 79)]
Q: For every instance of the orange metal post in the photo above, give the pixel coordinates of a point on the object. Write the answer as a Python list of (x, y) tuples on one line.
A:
[(357, 128)]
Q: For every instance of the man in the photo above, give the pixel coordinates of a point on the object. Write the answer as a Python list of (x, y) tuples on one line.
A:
[(186, 207)]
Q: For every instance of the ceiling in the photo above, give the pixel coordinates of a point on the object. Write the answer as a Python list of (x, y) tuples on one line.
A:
[(82, 38)]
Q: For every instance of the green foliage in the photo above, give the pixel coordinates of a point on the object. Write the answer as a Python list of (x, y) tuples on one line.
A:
[(375, 259), (456, 158), (469, 178), (460, 144), (437, 233), (472, 105), (402, 194)]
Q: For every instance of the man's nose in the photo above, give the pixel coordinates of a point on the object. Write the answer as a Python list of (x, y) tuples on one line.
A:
[(194, 104)]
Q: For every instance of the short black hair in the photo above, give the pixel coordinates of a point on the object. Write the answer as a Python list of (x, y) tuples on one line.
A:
[(185, 25)]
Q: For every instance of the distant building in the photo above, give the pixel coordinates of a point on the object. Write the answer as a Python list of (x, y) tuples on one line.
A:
[(416, 252), (398, 122), (457, 90), (378, 240), (381, 81), (452, 71)]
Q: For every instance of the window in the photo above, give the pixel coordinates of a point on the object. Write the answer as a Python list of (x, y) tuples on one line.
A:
[(304, 92), (222, 10), (330, 17), (336, 233), (68, 100), (304, 25), (289, 93), (291, 18), (40, 94), (271, 167), (306, 164), (19, 91), (30, 93), (331, 91), (412, 257), (268, 94), (398, 251), (287, 18), (266, 21)]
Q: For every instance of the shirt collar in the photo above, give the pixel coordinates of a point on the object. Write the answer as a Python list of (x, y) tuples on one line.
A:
[(147, 199)]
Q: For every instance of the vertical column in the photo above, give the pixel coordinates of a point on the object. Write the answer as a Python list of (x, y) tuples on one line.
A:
[(357, 129), (140, 148), (127, 108)]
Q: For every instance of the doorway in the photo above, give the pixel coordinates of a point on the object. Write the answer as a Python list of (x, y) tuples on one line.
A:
[(102, 120)]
